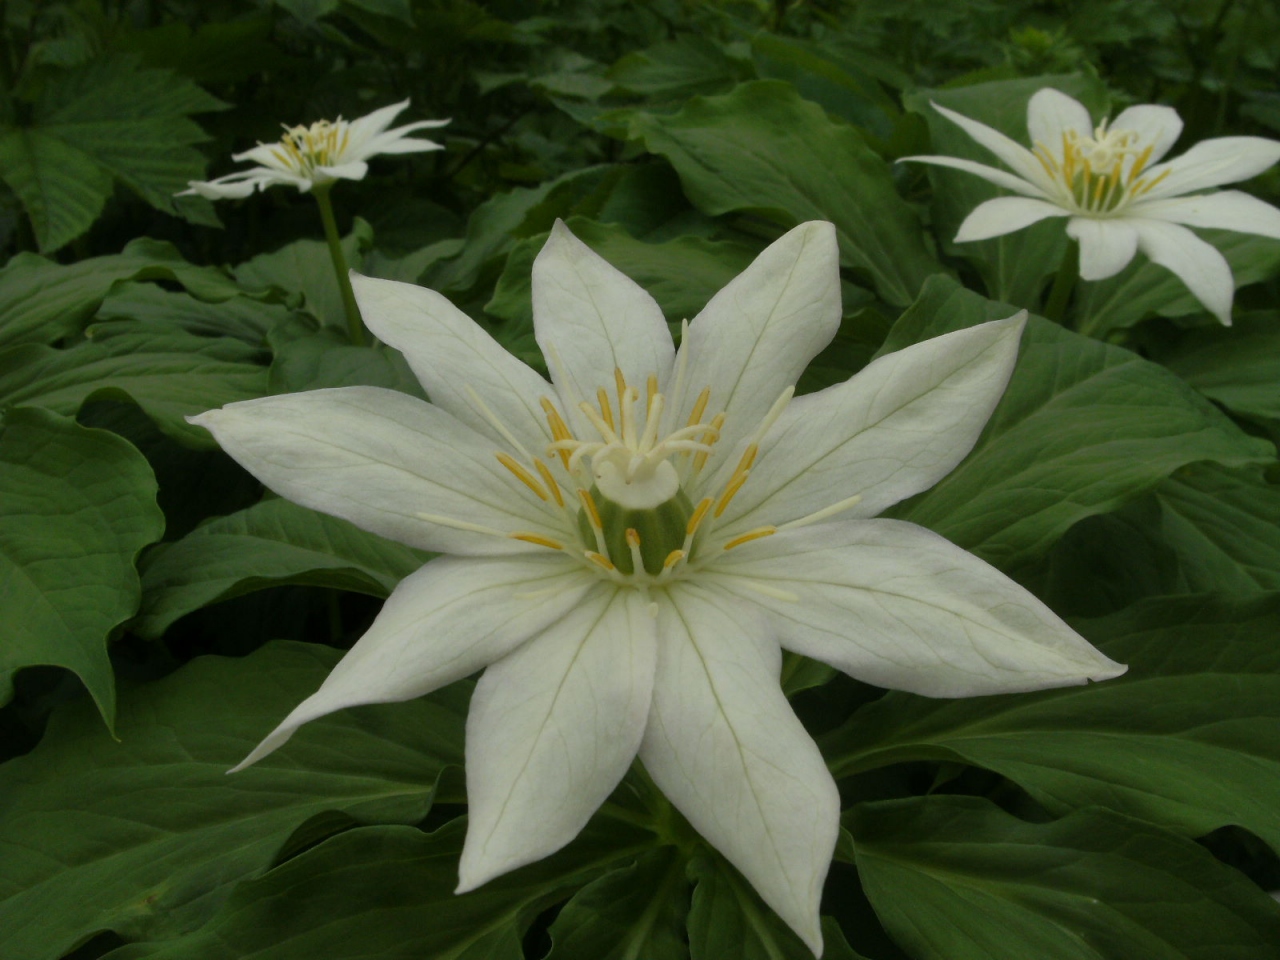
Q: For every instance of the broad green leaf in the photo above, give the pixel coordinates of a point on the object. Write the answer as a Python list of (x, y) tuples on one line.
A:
[(387, 892), (214, 53), (1143, 288), (1013, 267), (146, 834), (957, 877), (41, 301), (728, 919), (1188, 738), (76, 507), (1224, 526), (635, 911), (108, 120), (328, 359), (675, 70), (169, 375), (1082, 428), (762, 149), (269, 544), (151, 307), (1238, 366)]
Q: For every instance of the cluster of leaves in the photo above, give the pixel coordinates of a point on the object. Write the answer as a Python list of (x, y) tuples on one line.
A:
[(164, 614)]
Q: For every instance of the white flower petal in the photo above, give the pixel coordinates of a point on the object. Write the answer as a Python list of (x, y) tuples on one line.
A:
[(456, 360), (440, 624), (351, 170), (1106, 246), (553, 727), (590, 319), (1001, 178), (1050, 114), (726, 749), (399, 141), (994, 218), (896, 605), (1228, 210), (1198, 264), (380, 459), (756, 335), (361, 130), (1155, 125), (892, 430), (1213, 162), (1017, 157)]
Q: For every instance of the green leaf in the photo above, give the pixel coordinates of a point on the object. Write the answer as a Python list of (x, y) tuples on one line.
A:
[(762, 149), (270, 544), (1224, 526), (635, 911), (41, 301), (1238, 366), (108, 120), (677, 69), (146, 834), (1082, 428), (79, 505), (169, 375), (387, 892), (151, 307), (1014, 266), (328, 359), (1186, 739), (957, 877)]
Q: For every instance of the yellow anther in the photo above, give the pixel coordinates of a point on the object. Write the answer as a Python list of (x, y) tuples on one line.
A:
[(1147, 187), (651, 386), (1140, 163), (699, 406), (539, 539), (709, 438), (633, 542), (674, 557), (600, 559), (748, 458), (733, 487), (606, 410), (750, 535), (523, 475), (589, 505), (620, 382), (699, 512), (558, 429), (550, 481), (633, 537)]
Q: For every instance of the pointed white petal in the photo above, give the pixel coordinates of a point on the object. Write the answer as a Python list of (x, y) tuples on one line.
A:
[(1000, 178), (1199, 265), (448, 620), (450, 352), (894, 429), (1155, 125), (352, 170), (362, 129), (231, 187), (397, 140), (380, 459), (590, 319), (1106, 246), (896, 605), (1050, 114), (760, 331), (1213, 162), (553, 727), (1003, 215), (726, 749), (1017, 157), (269, 155), (1228, 210)]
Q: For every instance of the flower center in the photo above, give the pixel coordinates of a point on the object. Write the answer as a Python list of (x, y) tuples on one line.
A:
[(1102, 174), (319, 145)]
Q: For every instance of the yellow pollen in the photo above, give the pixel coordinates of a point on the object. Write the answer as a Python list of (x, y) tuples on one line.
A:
[(674, 557), (558, 429), (621, 383), (550, 481), (523, 475), (699, 512), (750, 535), (1147, 187), (633, 537), (633, 542), (539, 539), (1140, 163), (651, 386), (748, 458), (709, 438), (589, 505), (734, 485), (599, 558), (699, 407), (605, 410)]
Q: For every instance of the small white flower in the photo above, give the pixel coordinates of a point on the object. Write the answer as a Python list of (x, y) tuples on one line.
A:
[(634, 543), (1119, 197), (319, 154)]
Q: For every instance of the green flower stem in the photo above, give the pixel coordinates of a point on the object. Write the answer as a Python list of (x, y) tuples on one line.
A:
[(1063, 283), (355, 326)]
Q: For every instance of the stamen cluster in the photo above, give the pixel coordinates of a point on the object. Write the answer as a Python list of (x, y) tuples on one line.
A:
[(1099, 174), (320, 145)]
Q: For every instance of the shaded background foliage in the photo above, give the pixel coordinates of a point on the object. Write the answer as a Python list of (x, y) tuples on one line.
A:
[(1135, 818)]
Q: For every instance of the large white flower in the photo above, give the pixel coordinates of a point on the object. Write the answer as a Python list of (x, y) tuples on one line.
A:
[(319, 154), (630, 546), (1120, 199)]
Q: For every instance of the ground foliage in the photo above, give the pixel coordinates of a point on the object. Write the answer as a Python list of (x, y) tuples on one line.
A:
[(162, 614)]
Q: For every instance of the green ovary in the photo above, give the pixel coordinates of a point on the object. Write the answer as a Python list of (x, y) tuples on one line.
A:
[(661, 530)]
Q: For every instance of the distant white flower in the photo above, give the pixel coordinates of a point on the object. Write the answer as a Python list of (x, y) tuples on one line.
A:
[(634, 543), (324, 152), (1120, 198)]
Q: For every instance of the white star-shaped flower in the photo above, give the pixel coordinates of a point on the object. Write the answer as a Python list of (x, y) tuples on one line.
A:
[(630, 547), (1119, 197), (326, 151)]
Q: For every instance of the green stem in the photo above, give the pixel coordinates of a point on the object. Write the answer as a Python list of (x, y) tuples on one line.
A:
[(1063, 283), (355, 326)]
